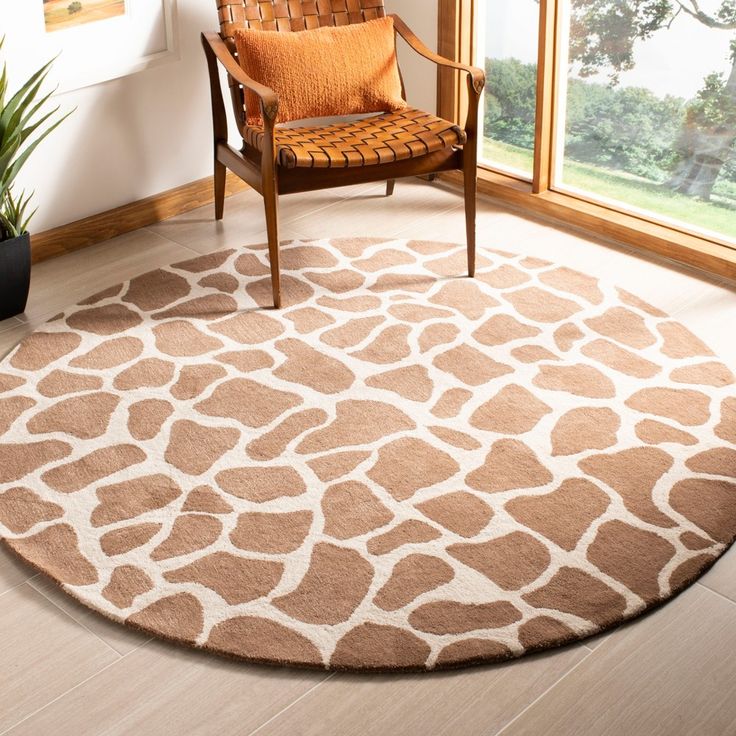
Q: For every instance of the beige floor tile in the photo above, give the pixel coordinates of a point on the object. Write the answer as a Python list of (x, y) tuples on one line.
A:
[(594, 642), (12, 571), (721, 578), (295, 206), (198, 229), (558, 245), (409, 195), (244, 219), (160, 689), (447, 226), (470, 702), (507, 230), (671, 288), (60, 282), (374, 215), (9, 323), (10, 338), (670, 674), (44, 654), (121, 638), (712, 317), (212, 236)]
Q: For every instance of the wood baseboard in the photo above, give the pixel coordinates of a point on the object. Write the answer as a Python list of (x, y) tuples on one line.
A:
[(106, 225)]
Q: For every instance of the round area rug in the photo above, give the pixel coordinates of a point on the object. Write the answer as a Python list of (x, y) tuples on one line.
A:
[(402, 469)]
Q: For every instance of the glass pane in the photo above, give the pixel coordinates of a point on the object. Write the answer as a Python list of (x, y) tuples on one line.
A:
[(649, 108), (507, 48)]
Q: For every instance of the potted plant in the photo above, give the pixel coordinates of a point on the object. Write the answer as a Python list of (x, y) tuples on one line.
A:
[(23, 125)]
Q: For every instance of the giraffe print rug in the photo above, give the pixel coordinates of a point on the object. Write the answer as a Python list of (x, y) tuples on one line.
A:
[(400, 470)]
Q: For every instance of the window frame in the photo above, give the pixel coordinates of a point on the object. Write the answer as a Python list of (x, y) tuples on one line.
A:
[(456, 37)]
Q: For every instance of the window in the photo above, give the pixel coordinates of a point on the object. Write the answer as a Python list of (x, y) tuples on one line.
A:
[(508, 106), (619, 115), (648, 104)]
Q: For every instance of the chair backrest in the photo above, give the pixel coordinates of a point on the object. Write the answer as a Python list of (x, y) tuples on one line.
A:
[(294, 15), (287, 15)]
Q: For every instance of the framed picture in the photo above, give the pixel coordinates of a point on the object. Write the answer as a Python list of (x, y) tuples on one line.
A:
[(94, 40), (61, 14)]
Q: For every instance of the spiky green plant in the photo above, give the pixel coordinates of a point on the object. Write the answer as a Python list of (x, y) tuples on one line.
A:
[(22, 128)]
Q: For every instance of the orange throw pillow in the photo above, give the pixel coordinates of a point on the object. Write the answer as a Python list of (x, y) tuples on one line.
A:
[(323, 72)]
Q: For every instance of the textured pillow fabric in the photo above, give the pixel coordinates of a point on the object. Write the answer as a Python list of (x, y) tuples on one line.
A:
[(323, 72)]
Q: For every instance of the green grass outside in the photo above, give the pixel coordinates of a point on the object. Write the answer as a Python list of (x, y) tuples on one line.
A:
[(719, 216)]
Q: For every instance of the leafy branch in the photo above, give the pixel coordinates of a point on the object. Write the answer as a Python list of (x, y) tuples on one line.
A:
[(725, 18)]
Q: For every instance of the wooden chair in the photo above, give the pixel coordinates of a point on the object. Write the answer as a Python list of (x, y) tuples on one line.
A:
[(276, 160)]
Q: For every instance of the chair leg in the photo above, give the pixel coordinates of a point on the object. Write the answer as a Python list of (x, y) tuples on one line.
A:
[(390, 184), (220, 174), (270, 200), (470, 177)]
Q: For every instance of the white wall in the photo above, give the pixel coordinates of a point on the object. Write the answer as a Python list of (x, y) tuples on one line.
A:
[(143, 134), (420, 75)]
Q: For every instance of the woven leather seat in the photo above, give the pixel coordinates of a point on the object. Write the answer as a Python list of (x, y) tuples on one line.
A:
[(379, 139)]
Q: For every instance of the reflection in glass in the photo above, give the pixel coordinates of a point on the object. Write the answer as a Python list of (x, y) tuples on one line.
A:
[(648, 101)]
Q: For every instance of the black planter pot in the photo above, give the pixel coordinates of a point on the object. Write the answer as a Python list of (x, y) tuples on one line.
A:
[(15, 275)]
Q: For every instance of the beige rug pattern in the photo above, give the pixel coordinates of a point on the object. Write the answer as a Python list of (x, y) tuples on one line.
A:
[(400, 470)]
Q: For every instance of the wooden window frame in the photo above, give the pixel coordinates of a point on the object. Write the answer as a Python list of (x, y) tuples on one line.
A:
[(456, 37)]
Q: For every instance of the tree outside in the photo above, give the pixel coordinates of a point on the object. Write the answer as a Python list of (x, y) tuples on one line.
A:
[(642, 144)]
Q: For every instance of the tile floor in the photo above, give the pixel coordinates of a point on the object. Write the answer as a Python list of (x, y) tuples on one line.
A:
[(68, 672)]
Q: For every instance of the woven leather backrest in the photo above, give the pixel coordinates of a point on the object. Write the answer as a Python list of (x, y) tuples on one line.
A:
[(294, 15)]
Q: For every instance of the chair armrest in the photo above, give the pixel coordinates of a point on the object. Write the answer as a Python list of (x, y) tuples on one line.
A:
[(477, 76), (269, 99)]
